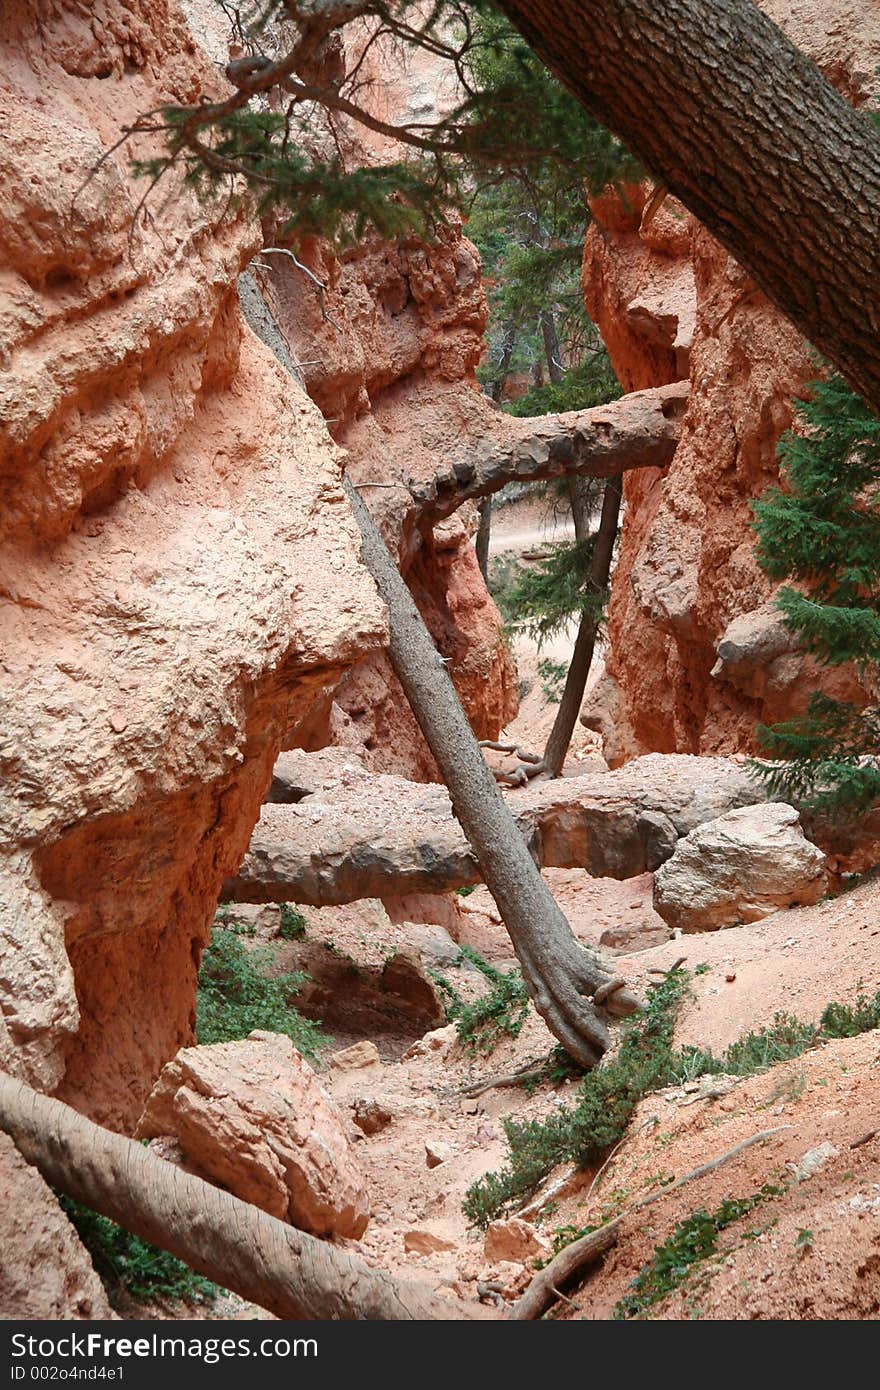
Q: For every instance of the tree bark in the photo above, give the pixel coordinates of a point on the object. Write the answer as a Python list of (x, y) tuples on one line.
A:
[(559, 737), (559, 973), (748, 134), (508, 344), (484, 536), (242, 1248), (552, 350)]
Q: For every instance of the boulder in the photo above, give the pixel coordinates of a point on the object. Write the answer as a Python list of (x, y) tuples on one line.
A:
[(418, 1242), (361, 1054), (437, 1152), (251, 1117), (739, 868), (370, 1115), (514, 1240)]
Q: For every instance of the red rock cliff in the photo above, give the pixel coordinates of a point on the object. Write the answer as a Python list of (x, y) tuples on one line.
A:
[(698, 656), (179, 572)]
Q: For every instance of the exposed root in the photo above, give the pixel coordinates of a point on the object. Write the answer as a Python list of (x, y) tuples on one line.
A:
[(533, 764)]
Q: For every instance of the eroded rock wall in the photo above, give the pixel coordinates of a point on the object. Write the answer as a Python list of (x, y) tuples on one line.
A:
[(180, 581), (697, 655), (388, 352)]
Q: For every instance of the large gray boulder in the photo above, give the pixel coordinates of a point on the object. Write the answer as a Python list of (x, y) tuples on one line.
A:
[(739, 867)]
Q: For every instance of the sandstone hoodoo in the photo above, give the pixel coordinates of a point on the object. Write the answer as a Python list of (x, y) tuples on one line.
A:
[(439, 782)]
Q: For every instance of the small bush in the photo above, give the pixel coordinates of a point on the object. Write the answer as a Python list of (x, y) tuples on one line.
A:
[(237, 993), (125, 1261), (693, 1240), (606, 1099), (293, 924), (502, 1012)]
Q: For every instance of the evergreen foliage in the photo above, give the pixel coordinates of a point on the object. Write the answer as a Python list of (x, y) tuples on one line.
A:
[(546, 594), (237, 992), (125, 1261), (298, 151), (500, 1013), (822, 530), (645, 1061)]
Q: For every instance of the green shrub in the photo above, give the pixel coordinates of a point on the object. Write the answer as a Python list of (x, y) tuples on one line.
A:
[(502, 1012), (606, 1100), (237, 993), (693, 1240), (126, 1261), (293, 924), (644, 1062)]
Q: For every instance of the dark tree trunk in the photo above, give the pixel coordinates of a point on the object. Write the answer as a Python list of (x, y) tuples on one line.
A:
[(484, 535), (551, 348), (746, 131), (582, 656), (507, 346), (560, 974)]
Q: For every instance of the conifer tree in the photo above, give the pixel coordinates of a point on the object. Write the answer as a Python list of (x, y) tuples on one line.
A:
[(823, 532)]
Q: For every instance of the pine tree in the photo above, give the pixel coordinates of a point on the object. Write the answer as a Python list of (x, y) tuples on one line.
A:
[(823, 531)]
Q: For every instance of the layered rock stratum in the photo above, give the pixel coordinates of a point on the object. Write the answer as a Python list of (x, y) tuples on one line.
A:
[(172, 523)]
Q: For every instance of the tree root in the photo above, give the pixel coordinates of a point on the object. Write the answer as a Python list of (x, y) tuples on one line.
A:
[(533, 764), (543, 1289), (533, 1070), (241, 1247)]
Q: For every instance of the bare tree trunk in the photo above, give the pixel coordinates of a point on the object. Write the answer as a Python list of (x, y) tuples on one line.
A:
[(242, 1248), (582, 657), (484, 535), (558, 972), (640, 430), (749, 135), (507, 346), (551, 348)]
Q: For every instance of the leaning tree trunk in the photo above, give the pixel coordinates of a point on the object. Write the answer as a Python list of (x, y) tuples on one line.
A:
[(582, 657), (237, 1245), (507, 346), (746, 131), (559, 973), (484, 536)]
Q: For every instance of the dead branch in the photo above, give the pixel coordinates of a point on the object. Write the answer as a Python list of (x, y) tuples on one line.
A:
[(533, 1070), (541, 1292)]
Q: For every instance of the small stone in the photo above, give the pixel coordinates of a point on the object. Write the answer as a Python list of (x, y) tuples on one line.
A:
[(436, 1152), (730, 979), (361, 1054), (418, 1242), (434, 1041), (812, 1161), (369, 1115)]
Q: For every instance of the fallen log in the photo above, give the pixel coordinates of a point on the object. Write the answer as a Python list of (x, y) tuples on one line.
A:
[(240, 1247), (640, 430)]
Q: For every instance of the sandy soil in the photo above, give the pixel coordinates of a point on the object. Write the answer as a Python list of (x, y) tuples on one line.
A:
[(798, 961)]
